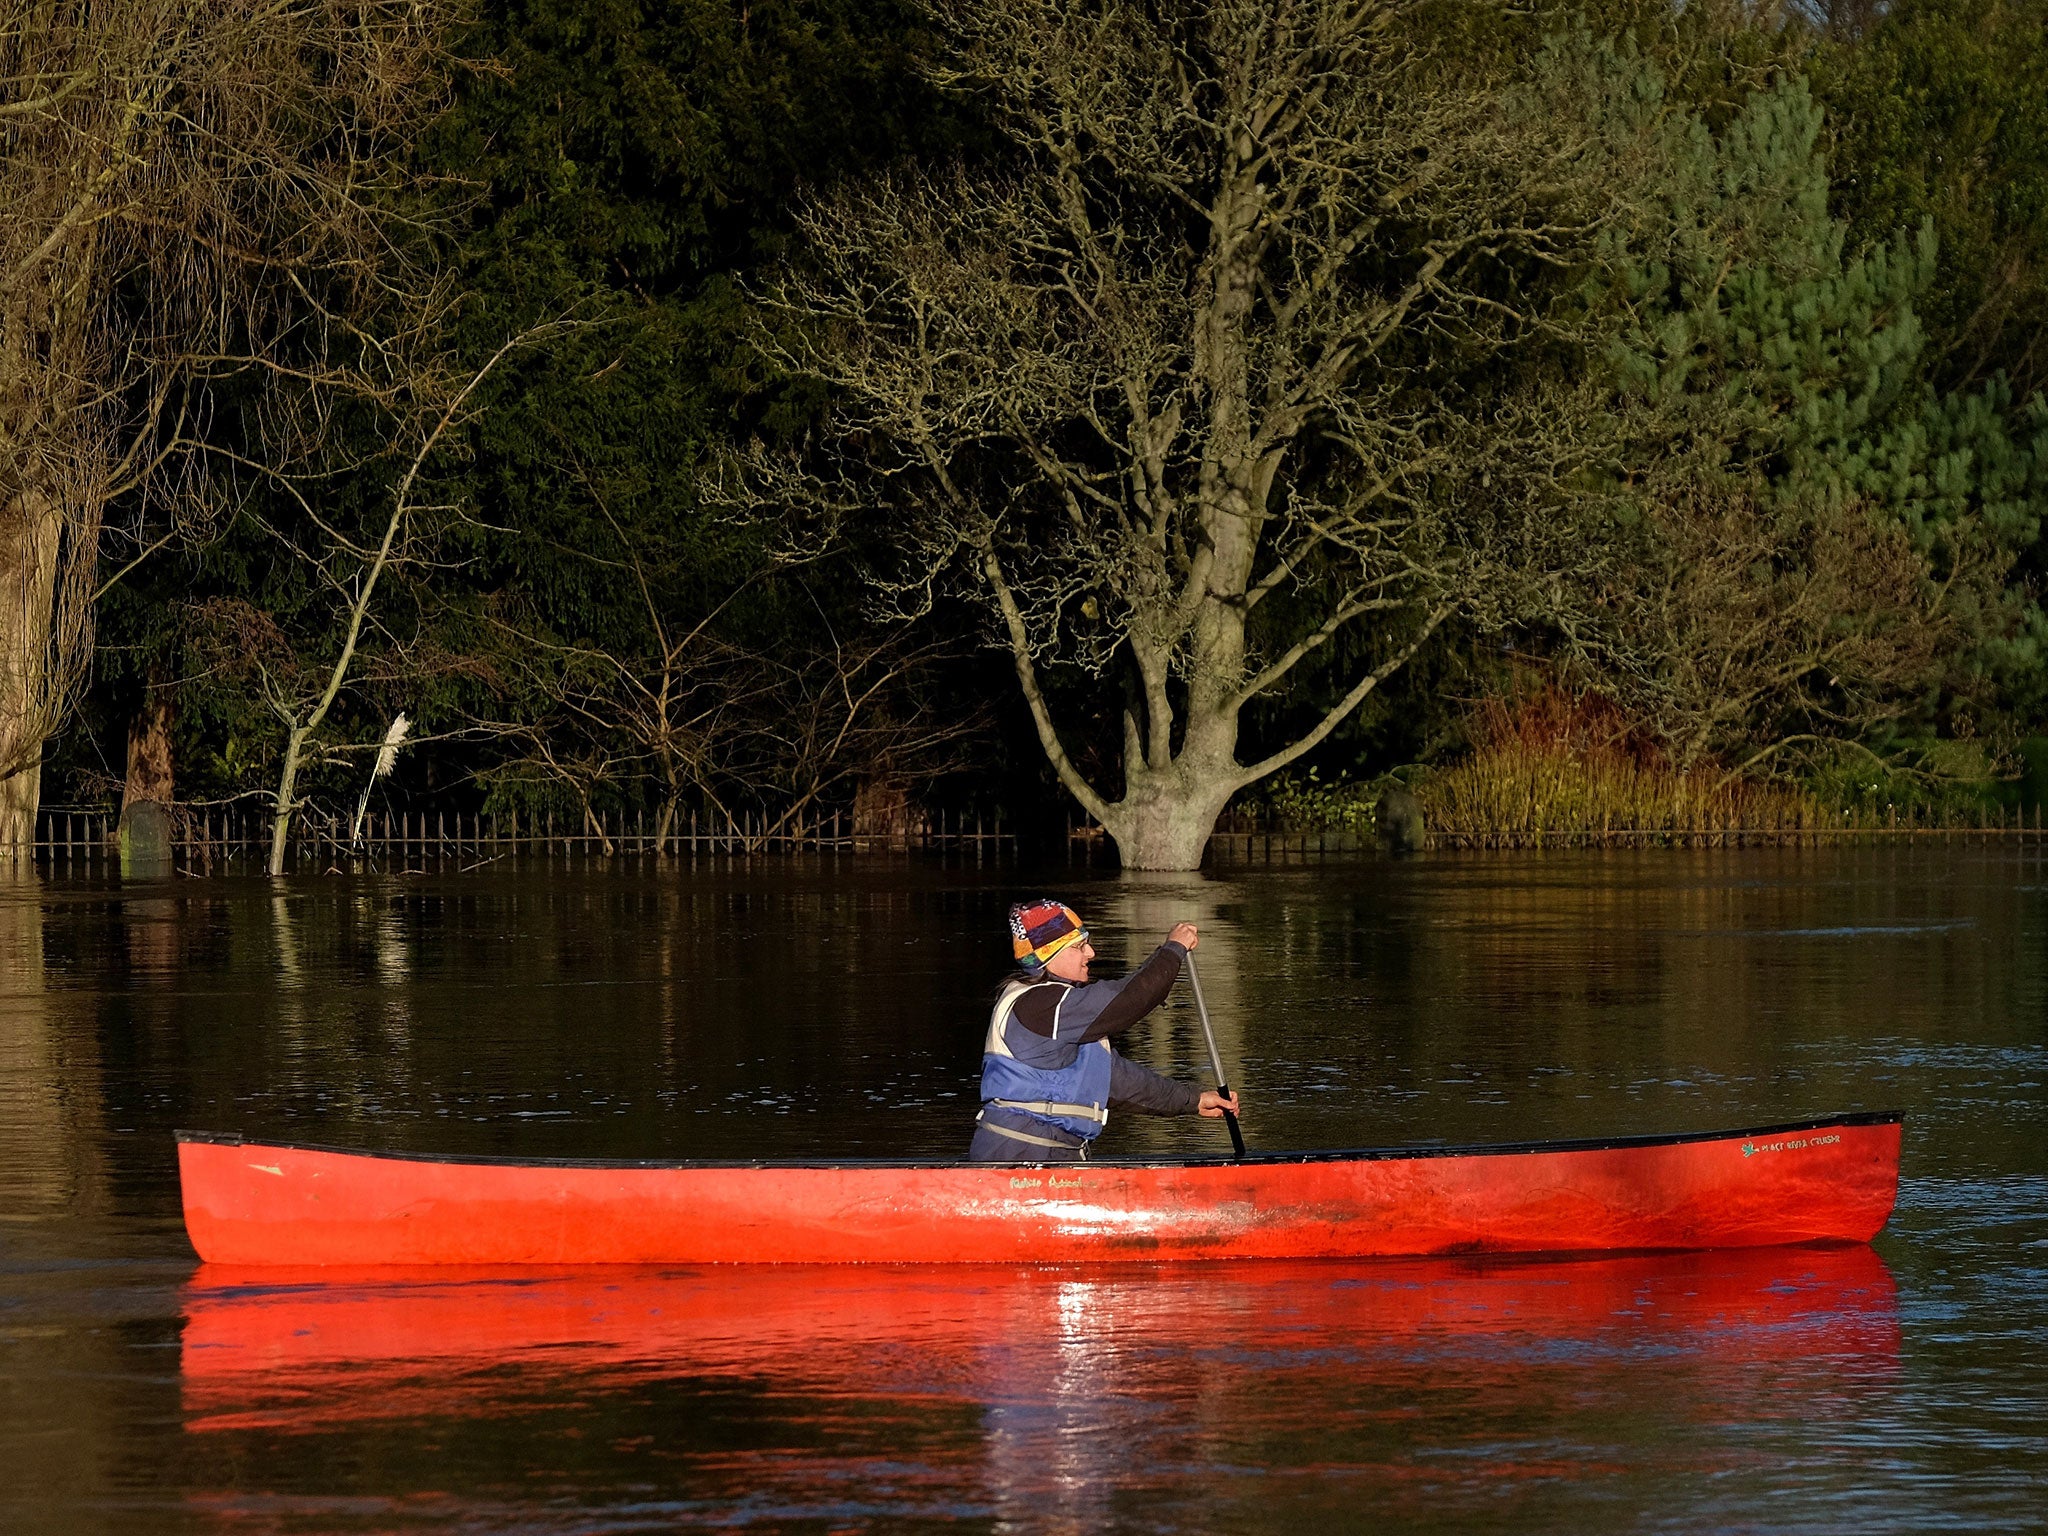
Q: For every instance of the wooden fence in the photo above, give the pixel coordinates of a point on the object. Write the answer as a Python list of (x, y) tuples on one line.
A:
[(206, 838)]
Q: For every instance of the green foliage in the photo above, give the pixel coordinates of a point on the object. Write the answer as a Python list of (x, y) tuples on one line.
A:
[(1769, 356), (1775, 353), (1941, 119), (1836, 296), (1307, 802), (1945, 783), (635, 158)]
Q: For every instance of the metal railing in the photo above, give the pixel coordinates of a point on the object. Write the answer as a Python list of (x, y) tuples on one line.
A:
[(204, 838)]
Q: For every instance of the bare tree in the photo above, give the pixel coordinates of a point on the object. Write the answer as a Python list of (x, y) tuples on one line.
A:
[(187, 187), (699, 717), (1750, 627), (1216, 367), (852, 713), (433, 399)]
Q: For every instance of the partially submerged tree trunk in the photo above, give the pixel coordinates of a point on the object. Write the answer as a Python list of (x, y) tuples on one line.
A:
[(151, 769), (30, 535), (146, 834)]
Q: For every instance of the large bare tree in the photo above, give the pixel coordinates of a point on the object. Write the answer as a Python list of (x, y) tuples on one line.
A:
[(190, 190), (1239, 348)]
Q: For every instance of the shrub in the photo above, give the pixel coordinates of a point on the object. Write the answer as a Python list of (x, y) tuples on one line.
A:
[(1551, 767), (1309, 803)]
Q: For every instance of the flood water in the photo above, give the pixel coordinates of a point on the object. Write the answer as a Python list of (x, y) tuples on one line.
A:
[(835, 1008)]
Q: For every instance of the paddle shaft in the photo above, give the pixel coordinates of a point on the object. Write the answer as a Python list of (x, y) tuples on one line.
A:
[(1215, 1060)]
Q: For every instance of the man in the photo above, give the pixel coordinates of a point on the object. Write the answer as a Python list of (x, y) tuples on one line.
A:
[(1049, 1076)]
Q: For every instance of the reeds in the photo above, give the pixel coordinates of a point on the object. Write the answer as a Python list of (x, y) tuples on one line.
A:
[(1518, 796), (1554, 769)]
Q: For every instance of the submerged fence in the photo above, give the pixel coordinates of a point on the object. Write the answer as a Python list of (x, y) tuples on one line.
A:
[(1256, 846), (205, 838), (1783, 827), (209, 838), (1267, 847)]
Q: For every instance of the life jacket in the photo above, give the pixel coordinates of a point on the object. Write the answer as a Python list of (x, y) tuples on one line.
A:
[(1074, 1097)]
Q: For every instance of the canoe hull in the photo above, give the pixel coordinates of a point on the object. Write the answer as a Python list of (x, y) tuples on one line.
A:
[(268, 1203)]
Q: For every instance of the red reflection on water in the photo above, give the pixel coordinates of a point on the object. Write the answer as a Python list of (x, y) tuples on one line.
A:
[(310, 1351)]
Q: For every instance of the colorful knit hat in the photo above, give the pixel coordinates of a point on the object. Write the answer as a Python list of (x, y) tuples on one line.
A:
[(1041, 929)]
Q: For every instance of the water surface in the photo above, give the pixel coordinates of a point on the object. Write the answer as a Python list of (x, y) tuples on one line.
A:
[(806, 1008)]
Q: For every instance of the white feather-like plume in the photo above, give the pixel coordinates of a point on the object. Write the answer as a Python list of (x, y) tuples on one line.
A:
[(387, 755)]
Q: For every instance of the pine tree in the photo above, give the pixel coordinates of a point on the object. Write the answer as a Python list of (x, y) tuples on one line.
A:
[(1824, 535)]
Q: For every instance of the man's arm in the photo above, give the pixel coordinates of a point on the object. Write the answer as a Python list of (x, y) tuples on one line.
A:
[(1140, 1088), (1100, 1008)]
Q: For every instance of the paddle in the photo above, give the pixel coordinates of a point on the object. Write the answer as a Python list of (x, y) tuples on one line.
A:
[(1215, 1061)]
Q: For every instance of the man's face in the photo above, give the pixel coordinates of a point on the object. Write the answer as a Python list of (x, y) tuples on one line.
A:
[(1071, 963)]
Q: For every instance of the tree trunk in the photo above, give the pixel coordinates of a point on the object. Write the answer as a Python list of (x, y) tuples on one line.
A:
[(1171, 800), (1166, 815), (146, 837), (281, 809), (149, 751), (30, 536), (1158, 833)]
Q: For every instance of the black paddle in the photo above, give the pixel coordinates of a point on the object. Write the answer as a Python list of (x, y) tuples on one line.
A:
[(1215, 1061)]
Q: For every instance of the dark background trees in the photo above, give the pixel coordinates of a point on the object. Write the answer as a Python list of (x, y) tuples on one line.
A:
[(200, 206), (1828, 388), (619, 166)]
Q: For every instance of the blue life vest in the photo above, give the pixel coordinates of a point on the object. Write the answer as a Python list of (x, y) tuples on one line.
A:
[(1074, 1097)]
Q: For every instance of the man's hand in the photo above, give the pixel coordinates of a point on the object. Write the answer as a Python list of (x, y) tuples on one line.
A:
[(1183, 934), (1214, 1104)]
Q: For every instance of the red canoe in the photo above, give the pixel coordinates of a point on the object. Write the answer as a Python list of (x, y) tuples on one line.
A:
[(276, 1203)]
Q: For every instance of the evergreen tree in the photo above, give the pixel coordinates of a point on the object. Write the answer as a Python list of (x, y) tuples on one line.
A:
[(1833, 528)]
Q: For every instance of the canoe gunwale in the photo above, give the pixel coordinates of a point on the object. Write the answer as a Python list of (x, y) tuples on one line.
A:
[(1261, 1159)]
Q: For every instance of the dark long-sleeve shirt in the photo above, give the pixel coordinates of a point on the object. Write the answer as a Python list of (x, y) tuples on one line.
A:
[(1058, 1018)]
